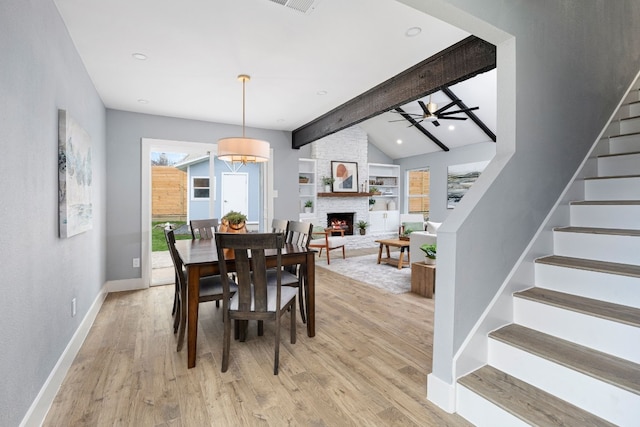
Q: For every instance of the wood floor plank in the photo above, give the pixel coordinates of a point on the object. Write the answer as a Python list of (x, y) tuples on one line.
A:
[(366, 366)]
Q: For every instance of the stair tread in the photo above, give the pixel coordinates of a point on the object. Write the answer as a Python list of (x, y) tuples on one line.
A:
[(607, 202), (593, 307), (594, 178), (528, 403), (596, 230), (630, 153), (591, 265), (602, 366)]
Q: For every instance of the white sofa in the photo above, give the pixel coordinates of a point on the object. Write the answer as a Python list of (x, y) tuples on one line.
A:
[(419, 238)]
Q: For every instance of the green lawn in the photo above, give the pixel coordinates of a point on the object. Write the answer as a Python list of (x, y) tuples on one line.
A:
[(158, 242)]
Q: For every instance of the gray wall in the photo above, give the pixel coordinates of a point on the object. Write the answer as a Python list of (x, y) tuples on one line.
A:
[(438, 164), (573, 62), (40, 273), (124, 133)]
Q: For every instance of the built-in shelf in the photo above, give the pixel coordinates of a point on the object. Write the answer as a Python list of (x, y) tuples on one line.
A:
[(344, 194)]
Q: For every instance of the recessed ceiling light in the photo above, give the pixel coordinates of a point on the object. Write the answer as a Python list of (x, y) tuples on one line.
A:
[(452, 127), (413, 31), (143, 101), (399, 141), (322, 92), (140, 56)]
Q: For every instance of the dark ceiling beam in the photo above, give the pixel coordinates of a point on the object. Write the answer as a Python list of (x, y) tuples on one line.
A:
[(459, 62), (418, 126), (471, 114)]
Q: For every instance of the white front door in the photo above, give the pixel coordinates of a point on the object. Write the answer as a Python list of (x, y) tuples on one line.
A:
[(235, 193)]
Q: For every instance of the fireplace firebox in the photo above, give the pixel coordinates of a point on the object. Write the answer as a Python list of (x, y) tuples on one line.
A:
[(341, 221)]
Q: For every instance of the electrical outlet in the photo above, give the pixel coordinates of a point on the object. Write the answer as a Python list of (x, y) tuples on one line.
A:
[(136, 263), (73, 307)]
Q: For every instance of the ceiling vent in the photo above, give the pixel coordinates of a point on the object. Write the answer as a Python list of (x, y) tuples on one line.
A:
[(304, 6)]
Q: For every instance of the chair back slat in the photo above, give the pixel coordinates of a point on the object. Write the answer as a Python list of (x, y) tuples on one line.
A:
[(203, 228)]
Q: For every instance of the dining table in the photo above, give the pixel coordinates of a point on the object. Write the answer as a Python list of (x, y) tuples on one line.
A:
[(200, 258)]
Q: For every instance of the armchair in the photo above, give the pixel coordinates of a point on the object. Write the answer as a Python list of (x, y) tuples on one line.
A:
[(323, 238)]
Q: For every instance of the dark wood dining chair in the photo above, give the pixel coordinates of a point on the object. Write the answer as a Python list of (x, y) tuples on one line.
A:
[(279, 226), (211, 289), (289, 275), (299, 233), (254, 300), (203, 228)]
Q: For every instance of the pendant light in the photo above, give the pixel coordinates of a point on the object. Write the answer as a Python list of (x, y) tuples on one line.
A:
[(242, 149)]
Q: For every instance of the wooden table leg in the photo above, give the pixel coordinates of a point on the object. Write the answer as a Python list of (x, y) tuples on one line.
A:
[(400, 258), (310, 282), (193, 283), (380, 253)]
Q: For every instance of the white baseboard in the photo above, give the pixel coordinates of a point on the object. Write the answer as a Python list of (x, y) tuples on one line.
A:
[(38, 411), (125, 285), (441, 393)]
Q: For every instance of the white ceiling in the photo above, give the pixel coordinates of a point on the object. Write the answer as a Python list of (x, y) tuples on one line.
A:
[(196, 48)]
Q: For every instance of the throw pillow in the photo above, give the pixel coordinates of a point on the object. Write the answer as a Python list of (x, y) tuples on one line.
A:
[(432, 227), (413, 226)]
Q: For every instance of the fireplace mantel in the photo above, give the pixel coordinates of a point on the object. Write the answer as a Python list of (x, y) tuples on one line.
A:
[(344, 194)]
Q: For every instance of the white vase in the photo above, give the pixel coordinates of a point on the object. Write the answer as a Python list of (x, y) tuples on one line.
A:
[(327, 188), (307, 210), (429, 261)]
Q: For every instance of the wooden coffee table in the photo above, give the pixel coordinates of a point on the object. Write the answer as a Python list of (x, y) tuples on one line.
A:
[(394, 243)]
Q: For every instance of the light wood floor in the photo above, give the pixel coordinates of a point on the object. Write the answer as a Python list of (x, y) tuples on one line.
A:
[(367, 365)]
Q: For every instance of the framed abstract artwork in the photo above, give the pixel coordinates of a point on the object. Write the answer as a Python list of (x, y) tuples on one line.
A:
[(74, 177), (345, 175), (460, 178)]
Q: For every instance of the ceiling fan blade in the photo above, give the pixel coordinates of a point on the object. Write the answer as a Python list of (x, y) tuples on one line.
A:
[(424, 107), (449, 105), (404, 112), (464, 110), (452, 118)]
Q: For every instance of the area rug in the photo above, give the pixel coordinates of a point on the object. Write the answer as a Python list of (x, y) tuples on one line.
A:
[(366, 269)]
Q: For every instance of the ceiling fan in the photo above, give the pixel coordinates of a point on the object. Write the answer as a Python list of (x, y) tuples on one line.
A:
[(431, 113)]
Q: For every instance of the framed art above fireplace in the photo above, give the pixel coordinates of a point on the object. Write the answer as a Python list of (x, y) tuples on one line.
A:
[(345, 175)]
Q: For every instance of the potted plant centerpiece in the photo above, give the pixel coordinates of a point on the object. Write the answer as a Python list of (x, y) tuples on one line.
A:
[(327, 181), (234, 222), (362, 225), (308, 206), (430, 253)]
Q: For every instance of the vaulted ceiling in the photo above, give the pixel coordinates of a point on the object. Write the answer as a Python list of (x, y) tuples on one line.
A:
[(303, 63)]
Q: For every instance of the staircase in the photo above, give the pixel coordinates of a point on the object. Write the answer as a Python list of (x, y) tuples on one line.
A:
[(572, 355)]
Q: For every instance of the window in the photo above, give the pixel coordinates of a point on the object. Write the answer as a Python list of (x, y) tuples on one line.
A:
[(199, 188), (418, 191)]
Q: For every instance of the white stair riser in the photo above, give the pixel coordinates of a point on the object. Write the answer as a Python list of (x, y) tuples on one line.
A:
[(624, 144), (613, 288), (606, 216), (601, 399), (612, 189), (630, 125), (630, 110), (619, 165), (604, 335), (600, 247), (482, 413)]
